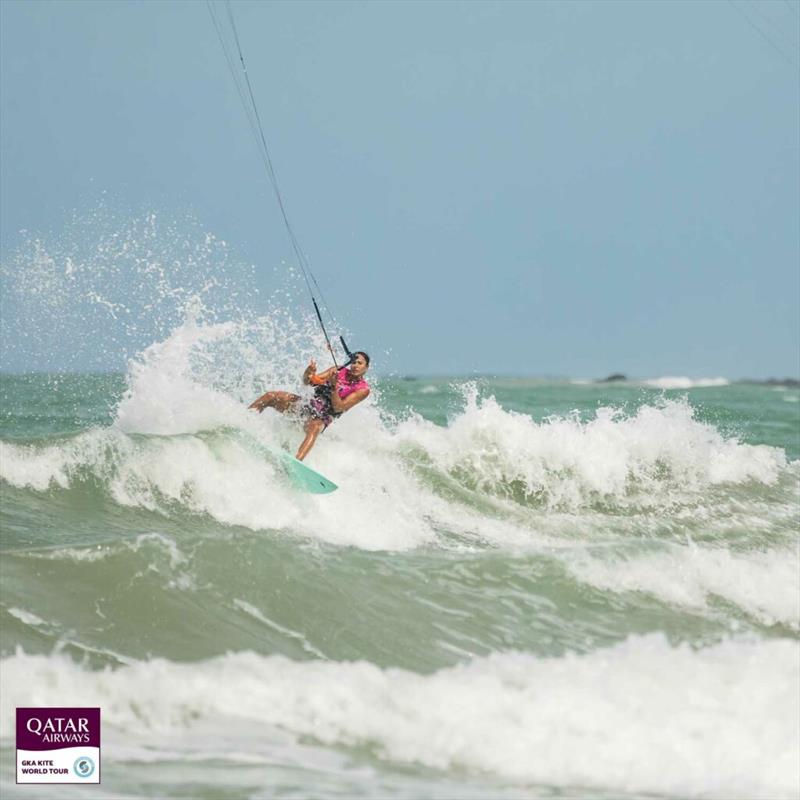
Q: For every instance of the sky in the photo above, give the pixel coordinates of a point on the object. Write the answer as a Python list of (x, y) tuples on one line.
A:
[(510, 188)]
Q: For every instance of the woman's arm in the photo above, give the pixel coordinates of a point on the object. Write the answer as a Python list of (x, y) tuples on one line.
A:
[(310, 376), (340, 406)]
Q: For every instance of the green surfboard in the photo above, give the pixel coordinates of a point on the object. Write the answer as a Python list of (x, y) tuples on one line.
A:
[(301, 476)]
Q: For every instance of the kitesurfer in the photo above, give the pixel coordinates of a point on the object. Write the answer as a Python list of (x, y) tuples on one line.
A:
[(336, 391)]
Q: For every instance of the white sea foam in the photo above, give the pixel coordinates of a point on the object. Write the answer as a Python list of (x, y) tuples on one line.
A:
[(162, 397), (643, 716), (75, 554), (650, 458), (94, 453), (675, 382), (26, 617), (765, 585)]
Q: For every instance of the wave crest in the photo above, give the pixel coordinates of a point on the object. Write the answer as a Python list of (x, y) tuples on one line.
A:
[(658, 456)]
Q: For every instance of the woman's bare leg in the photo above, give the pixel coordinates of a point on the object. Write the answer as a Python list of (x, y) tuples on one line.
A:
[(280, 401), (313, 428), (283, 402)]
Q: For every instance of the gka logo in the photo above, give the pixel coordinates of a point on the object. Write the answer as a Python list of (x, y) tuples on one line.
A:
[(83, 767)]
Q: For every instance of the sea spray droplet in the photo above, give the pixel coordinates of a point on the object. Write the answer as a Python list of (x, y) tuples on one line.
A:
[(110, 284)]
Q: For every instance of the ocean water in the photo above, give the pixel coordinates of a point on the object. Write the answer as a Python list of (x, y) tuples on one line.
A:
[(522, 589)]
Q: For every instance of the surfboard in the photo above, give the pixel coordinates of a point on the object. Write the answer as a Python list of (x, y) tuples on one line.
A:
[(302, 476)]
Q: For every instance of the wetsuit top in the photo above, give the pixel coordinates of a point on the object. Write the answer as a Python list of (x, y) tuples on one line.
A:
[(345, 385)]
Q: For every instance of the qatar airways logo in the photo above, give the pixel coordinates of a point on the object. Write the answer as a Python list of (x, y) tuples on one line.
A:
[(58, 745), (60, 729)]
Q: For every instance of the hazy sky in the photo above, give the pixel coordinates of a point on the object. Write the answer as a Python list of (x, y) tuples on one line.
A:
[(508, 187)]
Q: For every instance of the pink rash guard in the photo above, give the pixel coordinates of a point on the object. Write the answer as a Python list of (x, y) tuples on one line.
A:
[(320, 405), (346, 385)]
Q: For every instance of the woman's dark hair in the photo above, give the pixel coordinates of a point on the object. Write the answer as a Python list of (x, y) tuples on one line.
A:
[(361, 353)]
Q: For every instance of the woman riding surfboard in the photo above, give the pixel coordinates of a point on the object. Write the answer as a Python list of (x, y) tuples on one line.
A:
[(336, 391)]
